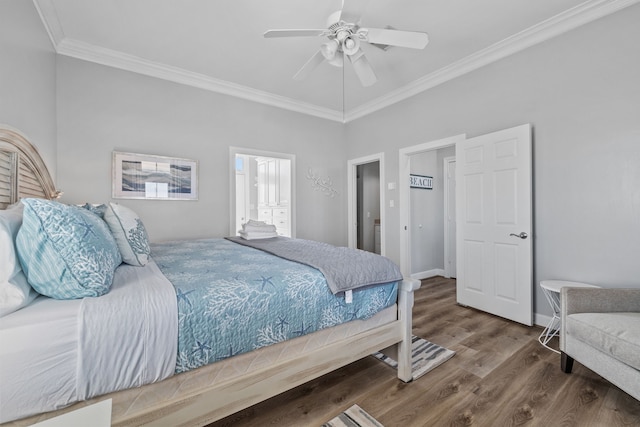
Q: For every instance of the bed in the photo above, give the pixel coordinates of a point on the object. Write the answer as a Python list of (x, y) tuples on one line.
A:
[(184, 383)]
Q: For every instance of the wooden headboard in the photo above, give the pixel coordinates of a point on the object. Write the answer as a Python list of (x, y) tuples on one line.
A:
[(23, 173)]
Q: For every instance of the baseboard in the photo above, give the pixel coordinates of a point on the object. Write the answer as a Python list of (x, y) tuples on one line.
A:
[(427, 274), (541, 319)]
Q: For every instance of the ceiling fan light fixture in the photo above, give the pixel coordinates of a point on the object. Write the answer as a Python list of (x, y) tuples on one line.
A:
[(351, 45), (329, 49), (337, 61), (342, 34)]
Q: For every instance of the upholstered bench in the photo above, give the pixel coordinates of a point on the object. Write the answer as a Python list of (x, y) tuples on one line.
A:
[(600, 328)]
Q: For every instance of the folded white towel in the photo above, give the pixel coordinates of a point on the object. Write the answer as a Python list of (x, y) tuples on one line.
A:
[(252, 235), (269, 229), (258, 226), (258, 233)]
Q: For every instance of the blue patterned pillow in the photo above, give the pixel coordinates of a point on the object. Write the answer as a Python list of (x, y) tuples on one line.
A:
[(131, 236), (96, 209), (67, 252)]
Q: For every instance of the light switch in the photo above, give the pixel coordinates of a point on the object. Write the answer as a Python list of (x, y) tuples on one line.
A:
[(392, 203)]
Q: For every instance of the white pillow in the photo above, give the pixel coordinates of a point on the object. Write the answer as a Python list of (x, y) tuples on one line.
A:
[(131, 236), (15, 291)]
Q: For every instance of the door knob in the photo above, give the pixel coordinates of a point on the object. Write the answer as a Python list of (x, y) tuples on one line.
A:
[(522, 235)]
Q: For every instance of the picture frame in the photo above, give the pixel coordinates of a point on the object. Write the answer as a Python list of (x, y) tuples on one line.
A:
[(423, 182), (150, 177)]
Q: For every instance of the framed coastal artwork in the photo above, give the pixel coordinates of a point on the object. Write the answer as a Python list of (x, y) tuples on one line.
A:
[(143, 176)]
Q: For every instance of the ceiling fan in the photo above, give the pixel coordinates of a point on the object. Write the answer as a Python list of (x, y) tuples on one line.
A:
[(345, 36)]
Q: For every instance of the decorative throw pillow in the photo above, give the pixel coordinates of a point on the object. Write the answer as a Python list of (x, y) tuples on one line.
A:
[(96, 209), (15, 291), (131, 236), (66, 251)]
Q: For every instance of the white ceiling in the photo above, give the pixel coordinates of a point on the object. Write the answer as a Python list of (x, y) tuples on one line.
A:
[(219, 46)]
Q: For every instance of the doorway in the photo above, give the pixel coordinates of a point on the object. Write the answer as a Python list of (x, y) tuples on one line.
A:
[(409, 227), (427, 212), (262, 189), (368, 207), (365, 194), (493, 220)]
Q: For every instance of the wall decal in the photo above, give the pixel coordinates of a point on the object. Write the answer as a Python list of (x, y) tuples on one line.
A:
[(325, 186)]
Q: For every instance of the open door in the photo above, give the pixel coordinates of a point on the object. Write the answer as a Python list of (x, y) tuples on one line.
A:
[(494, 235)]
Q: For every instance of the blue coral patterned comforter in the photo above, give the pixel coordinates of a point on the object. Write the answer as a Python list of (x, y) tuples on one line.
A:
[(233, 299)]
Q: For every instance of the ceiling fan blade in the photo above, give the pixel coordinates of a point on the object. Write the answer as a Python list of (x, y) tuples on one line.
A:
[(363, 68), (293, 33), (309, 66), (411, 39), (352, 10)]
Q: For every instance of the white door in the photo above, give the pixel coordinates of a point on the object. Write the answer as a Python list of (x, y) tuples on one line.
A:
[(494, 241)]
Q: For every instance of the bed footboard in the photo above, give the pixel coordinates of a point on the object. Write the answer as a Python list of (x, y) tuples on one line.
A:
[(401, 351), (405, 308), (152, 405)]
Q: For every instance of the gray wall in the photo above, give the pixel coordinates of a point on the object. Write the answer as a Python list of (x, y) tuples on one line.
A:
[(27, 77), (102, 109), (581, 93)]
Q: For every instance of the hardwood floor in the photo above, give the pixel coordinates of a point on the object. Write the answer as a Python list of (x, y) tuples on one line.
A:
[(500, 376)]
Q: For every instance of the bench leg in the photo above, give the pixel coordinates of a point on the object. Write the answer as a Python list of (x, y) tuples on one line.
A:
[(566, 363)]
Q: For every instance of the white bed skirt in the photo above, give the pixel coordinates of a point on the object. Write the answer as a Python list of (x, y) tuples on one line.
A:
[(57, 352), (132, 401)]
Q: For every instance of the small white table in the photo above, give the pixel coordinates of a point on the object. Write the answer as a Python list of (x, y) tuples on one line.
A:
[(551, 290)]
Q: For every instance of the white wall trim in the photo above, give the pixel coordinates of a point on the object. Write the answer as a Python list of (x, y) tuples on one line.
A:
[(49, 17), (352, 198), (448, 270), (541, 319), (427, 274), (111, 58), (582, 14)]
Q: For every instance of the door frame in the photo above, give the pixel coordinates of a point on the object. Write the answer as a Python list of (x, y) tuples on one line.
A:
[(404, 170), (247, 199), (232, 183), (352, 197), (448, 273)]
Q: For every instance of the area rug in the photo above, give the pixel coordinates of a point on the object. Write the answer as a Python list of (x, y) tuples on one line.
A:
[(425, 356), (353, 417)]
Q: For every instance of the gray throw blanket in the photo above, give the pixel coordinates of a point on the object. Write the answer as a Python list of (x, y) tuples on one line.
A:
[(344, 268)]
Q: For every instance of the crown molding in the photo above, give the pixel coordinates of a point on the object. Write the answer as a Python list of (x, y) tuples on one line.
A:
[(49, 17), (568, 20), (99, 55)]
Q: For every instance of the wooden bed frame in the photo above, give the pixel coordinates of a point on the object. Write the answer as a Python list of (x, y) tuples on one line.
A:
[(22, 170), (188, 398)]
